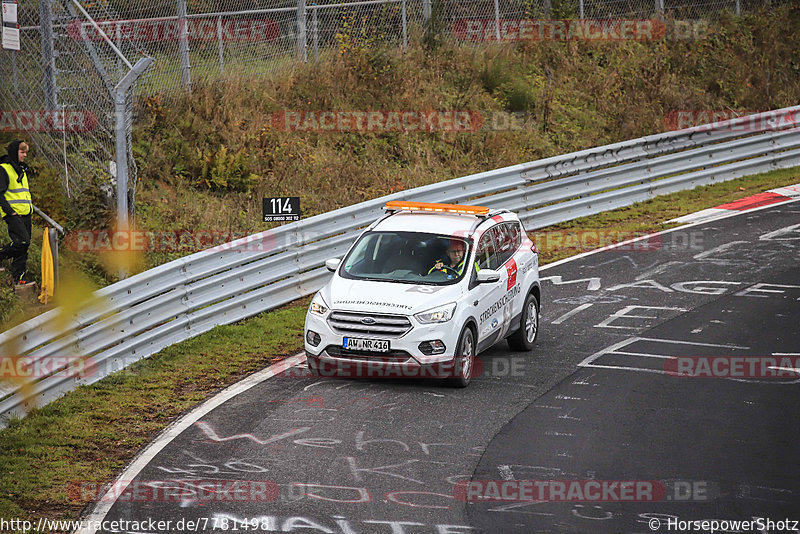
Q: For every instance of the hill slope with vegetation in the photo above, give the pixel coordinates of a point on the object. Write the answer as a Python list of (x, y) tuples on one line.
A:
[(222, 146)]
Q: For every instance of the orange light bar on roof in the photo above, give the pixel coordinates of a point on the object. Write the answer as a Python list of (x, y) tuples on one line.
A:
[(428, 206)]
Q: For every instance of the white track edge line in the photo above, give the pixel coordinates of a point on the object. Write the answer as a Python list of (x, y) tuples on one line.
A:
[(174, 430)]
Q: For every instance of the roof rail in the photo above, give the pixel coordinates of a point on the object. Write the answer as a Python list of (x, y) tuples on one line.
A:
[(497, 212)]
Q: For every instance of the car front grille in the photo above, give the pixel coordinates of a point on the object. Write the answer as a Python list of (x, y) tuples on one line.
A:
[(395, 356), (369, 324)]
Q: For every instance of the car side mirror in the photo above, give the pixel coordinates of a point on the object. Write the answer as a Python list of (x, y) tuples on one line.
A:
[(333, 264), (488, 276)]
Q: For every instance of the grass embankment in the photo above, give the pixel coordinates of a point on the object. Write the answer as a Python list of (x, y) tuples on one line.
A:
[(92, 433)]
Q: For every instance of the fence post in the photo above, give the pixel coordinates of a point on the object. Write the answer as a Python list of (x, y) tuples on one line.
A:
[(118, 42), (497, 19), (738, 8), (660, 6), (315, 26), (48, 57), (183, 46), (580, 7), (301, 31), (121, 140), (405, 26), (219, 44), (426, 11), (14, 71)]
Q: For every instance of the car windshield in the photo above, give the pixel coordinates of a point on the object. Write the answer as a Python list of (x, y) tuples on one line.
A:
[(408, 257)]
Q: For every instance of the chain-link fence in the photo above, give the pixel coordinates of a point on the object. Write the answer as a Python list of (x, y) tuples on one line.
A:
[(60, 90), (66, 87)]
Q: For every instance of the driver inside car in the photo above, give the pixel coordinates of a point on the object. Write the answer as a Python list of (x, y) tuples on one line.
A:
[(454, 264)]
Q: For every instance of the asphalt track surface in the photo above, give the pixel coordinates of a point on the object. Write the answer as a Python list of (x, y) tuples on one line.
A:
[(592, 402)]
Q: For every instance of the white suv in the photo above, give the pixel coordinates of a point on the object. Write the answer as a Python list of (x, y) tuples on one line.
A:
[(422, 291)]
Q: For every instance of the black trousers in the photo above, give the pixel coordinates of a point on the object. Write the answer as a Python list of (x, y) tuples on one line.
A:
[(19, 230)]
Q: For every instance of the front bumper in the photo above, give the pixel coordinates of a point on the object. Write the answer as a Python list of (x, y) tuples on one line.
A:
[(403, 359)]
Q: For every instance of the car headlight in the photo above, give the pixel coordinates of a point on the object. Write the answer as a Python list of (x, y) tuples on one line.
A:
[(318, 305), (442, 314)]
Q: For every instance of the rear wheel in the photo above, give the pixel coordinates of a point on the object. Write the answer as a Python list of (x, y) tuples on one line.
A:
[(464, 360), (523, 339)]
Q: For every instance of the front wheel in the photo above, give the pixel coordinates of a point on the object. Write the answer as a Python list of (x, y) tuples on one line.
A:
[(464, 360), (523, 339)]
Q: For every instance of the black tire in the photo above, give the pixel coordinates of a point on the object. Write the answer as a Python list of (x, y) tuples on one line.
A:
[(464, 360), (523, 339)]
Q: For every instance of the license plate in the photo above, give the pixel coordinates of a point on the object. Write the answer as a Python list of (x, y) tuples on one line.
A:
[(374, 345)]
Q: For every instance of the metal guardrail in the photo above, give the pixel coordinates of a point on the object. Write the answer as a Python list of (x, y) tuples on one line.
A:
[(143, 314)]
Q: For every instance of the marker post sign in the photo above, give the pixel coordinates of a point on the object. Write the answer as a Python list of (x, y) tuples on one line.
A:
[(281, 209), (10, 25)]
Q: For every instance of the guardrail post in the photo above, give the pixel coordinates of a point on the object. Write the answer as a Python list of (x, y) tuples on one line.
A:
[(301, 31), (183, 46), (219, 44)]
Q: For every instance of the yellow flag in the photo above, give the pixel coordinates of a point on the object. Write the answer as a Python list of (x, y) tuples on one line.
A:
[(48, 282)]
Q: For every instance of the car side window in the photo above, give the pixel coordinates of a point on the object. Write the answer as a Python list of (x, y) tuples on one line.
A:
[(486, 255), (515, 233), (506, 242)]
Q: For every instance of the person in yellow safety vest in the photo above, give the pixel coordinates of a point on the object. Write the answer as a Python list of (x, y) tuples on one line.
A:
[(454, 265), (16, 208)]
